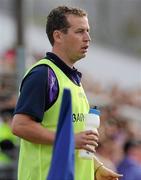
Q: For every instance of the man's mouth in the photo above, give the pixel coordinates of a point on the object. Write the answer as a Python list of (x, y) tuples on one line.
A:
[(85, 48)]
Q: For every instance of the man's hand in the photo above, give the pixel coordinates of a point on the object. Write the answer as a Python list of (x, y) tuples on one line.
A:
[(86, 140), (103, 173)]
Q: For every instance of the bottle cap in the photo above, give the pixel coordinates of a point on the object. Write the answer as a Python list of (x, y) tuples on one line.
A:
[(94, 111)]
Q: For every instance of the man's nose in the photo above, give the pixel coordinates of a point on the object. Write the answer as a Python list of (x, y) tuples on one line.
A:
[(87, 37)]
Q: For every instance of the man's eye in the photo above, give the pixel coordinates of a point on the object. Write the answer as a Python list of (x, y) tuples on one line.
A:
[(80, 31)]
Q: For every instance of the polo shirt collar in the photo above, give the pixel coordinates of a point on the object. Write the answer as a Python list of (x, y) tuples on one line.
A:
[(73, 72)]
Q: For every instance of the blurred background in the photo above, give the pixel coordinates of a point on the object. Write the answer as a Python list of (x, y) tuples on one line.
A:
[(111, 70)]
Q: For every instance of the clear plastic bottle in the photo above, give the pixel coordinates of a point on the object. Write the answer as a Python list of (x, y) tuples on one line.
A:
[(92, 122)]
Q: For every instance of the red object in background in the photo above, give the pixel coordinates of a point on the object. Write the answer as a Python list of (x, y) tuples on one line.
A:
[(10, 55)]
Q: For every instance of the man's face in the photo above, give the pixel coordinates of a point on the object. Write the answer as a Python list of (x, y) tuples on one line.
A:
[(75, 42)]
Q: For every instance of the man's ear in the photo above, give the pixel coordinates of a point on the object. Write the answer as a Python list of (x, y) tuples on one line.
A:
[(57, 35)]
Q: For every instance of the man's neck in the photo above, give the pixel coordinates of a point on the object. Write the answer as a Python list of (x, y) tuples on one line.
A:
[(63, 57)]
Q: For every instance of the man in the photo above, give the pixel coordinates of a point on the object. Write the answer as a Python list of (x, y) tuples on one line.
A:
[(37, 110), (130, 166)]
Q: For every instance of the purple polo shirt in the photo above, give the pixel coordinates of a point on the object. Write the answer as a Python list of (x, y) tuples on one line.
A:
[(130, 169), (39, 89)]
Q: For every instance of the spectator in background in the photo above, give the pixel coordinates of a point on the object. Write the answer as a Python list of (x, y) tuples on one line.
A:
[(105, 152), (130, 166), (8, 142)]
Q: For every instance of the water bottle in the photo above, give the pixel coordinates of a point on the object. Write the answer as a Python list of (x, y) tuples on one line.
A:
[(92, 122)]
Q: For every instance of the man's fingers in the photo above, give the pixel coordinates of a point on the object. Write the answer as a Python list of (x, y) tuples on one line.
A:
[(91, 132), (89, 148), (92, 143), (85, 138)]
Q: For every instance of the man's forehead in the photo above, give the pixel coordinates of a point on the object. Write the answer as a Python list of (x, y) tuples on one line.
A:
[(74, 18), (77, 21)]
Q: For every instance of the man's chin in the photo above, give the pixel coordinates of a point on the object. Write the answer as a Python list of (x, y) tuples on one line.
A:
[(80, 57), (83, 56)]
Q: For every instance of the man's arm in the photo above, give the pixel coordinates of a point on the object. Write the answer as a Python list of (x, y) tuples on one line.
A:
[(25, 127)]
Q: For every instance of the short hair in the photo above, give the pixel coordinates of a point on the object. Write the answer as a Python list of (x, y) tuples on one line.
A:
[(129, 144), (57, 20)]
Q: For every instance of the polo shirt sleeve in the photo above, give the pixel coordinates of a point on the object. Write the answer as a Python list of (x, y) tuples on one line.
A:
[(32, 99)]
